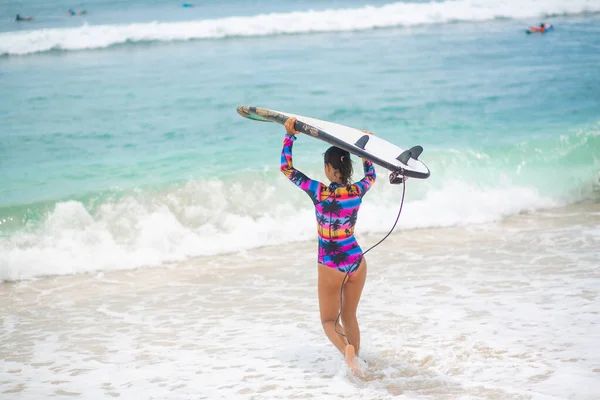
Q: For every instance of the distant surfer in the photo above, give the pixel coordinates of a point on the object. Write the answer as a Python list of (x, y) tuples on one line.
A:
[(72, 12), (341, 263), (19, 18), (543, 28)]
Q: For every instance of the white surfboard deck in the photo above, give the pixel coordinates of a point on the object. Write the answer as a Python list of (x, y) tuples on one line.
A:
[(376, 149)]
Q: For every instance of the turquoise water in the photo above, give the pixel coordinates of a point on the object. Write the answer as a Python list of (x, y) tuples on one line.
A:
[(111, 135)]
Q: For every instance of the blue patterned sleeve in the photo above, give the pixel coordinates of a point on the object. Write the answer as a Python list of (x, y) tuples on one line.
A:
[(365, 183), (313, 188)]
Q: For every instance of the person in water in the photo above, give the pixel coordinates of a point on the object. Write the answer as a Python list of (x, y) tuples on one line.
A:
[(19, 18), (340, 258), (541, 29), (72, 12)]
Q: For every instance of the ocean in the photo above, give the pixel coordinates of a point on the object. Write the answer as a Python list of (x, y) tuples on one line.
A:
[(150, 248)]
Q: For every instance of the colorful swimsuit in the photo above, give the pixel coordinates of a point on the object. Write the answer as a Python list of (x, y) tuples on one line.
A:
[(336, 207)]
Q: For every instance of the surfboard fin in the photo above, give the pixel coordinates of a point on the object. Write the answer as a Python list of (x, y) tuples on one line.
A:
[(404, 157), (362, 142), (416, 151)]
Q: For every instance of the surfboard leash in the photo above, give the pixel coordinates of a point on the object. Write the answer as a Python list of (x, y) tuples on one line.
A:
[(394, 180)]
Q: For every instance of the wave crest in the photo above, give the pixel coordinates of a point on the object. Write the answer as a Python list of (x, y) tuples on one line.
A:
[(364, 18)]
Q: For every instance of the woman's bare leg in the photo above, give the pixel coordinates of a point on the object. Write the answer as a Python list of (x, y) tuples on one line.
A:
[(330, 281), (352, 292)]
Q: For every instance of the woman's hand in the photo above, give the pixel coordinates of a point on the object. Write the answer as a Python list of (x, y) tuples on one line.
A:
[(367, 132), (289, 126)]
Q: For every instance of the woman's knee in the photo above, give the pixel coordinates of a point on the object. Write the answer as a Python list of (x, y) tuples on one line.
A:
[(327, 324), (348, 318)]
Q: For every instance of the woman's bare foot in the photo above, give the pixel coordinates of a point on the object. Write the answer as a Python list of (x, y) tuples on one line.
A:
[(351, 360)]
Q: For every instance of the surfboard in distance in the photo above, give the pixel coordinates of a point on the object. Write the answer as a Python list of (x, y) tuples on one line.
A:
[(371, 147)]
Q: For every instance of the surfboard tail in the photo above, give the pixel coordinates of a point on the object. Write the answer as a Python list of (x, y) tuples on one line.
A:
[(414, 153)]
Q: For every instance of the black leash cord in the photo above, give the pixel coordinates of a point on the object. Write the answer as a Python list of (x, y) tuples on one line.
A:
[(370, 248)]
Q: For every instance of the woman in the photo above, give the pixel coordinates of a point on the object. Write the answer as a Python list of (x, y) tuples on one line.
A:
[(340, 258)]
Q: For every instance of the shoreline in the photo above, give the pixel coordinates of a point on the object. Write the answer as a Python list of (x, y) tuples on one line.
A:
[(546, 216)]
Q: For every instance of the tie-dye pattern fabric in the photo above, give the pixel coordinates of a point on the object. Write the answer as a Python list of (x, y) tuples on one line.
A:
[(336, 208)]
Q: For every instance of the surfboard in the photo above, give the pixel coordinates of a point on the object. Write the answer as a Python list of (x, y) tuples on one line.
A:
[(379, 151)]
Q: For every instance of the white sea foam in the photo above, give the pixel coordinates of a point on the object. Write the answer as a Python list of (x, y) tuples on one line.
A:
[(208, 218), (368, 17)]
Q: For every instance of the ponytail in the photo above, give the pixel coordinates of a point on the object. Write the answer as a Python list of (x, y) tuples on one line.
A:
[(340, 160)]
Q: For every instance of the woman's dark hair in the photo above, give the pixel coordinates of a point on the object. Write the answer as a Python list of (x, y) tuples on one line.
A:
[(340, 160)]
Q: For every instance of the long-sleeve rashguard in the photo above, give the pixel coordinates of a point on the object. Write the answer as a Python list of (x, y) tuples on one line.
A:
[(336, 208)]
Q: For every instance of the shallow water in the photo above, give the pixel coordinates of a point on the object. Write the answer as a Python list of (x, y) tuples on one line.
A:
[(494, 311)]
